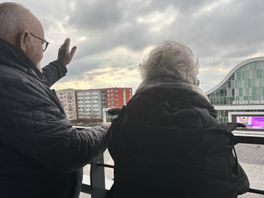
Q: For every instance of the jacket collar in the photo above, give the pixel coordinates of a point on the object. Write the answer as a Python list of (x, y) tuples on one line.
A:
[(170, 83), (12, 56), (195, 95)]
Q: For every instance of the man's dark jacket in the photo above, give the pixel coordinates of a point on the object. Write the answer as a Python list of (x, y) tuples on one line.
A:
[(167, 143), (41, 154)]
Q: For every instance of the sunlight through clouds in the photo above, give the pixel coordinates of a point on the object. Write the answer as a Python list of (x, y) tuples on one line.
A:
[(104, 77), (114, 36)]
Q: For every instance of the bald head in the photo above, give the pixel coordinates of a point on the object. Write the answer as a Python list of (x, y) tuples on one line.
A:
[(14, 19), (18, 25)]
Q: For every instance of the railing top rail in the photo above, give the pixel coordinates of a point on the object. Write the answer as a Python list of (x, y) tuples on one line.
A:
[(249, 139)]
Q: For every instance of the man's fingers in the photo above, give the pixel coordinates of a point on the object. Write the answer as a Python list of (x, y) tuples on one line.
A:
[(65, 54), (73, 51), (66, 43)]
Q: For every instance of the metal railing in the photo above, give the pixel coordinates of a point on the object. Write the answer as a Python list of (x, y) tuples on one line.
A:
[(97, 188), (242, 139)]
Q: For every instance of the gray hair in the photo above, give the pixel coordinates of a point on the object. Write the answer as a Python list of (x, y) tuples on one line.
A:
[(13, 19), (171, 60)]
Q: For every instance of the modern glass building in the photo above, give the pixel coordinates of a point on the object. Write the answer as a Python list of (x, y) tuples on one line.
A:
[(241, 92)]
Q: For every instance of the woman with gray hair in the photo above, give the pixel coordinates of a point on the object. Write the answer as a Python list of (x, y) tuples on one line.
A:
[(173, 61), (170, 64), (167, 142)]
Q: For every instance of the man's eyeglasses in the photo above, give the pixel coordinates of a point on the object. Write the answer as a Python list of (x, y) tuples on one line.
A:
[(43, 41)]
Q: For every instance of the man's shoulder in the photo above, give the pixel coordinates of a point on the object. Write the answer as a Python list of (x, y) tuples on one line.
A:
[(15, 79), (8, 73)]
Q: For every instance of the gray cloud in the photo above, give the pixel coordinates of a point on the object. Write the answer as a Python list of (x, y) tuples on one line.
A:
[(133, 36), (230, 31), (115, 22), (221, 33), (96, 15)]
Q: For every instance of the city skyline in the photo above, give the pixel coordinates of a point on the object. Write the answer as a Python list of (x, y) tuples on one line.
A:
[(90, 103), (114, 37)]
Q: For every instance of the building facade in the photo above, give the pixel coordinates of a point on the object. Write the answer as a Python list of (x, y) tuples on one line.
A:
[(69, 103), (242, 91), (117, 97), (90, 103)]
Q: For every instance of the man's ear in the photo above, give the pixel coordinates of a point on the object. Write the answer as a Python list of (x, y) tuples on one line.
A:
[(23, 40)]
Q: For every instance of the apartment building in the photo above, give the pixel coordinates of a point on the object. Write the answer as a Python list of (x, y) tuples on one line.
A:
[(69, 103), (117, 97), (90, 103)]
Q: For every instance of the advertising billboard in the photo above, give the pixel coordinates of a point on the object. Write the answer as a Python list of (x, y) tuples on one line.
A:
[(252, 122)]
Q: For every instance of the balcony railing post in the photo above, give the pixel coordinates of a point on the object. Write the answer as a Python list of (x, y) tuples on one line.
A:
[(97, 177)]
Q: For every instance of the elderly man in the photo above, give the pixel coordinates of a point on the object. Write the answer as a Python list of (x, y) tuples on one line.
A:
[(167, 141), (41, 153)]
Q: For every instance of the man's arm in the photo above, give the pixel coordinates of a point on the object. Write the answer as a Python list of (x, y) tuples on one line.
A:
[(32, 124), (54, 72), (57, 69)]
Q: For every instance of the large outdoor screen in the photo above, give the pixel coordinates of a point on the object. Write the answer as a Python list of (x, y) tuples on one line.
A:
[(250, 121)]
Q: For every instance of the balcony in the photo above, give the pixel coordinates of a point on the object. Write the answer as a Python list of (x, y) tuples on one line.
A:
[(98, 176)]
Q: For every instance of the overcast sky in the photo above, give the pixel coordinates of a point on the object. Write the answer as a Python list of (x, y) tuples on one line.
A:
[(114, 36)]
